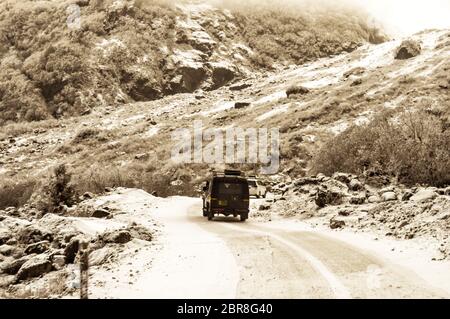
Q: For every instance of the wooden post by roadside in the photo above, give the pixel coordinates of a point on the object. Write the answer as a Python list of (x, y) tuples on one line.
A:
[(84, 270)]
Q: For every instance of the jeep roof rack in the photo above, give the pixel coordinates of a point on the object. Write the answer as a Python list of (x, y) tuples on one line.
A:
[(228, 172)]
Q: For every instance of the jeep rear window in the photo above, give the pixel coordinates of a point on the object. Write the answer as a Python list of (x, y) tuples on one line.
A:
[(231, 188)]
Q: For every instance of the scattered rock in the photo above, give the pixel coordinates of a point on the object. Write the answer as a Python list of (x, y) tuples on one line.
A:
[(336, 223), (141, 156), (263, 207), (11, 267), (424, 195), (33, 234), (5, 236), (355, 185), (356, 82), (117, 237), (407, 195), (326, 196), (355, 71), (100, 256), (87, 195), (296, 90), (222, 73), (447, 191), (344, 213), (141, 233), (239, 87), (306, 181), (342, 177), (7, 281), (389, 196), (358, 200), (403, 224), (408, 49), (35, 267), (71, 250), (7, 250), (444, 84), (241, 105), (58, 261), (101, 213), (37, 248), (375, 199)]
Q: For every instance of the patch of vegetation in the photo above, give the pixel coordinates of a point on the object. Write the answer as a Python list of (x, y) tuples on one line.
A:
[(50, 70), (298, 33), (411, 146), (16, 192), (55, 192)]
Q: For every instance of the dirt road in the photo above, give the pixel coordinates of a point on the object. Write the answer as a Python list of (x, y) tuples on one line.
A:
[(225, 258), (277, 263)]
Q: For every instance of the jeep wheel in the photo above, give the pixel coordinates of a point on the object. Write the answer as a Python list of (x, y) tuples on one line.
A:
[(244, 218), (210, 216)]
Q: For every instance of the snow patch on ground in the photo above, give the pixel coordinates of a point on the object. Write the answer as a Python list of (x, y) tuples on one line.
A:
[(274, 112), (219, 107)]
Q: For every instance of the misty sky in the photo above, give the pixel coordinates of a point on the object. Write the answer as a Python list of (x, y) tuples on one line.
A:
[(409, 16)]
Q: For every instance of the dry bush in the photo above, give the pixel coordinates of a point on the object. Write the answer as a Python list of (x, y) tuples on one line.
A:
[(412, 147), (16, 192), (55, 191)]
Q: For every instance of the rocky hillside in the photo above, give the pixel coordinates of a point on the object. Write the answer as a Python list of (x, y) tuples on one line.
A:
[(403, 104), (67, 57)]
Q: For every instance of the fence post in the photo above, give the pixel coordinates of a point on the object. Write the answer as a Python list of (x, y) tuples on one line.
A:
[(84, 270)]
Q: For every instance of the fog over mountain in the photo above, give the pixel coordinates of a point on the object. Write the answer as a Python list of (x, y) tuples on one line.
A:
[(404, 17), (400, 17)]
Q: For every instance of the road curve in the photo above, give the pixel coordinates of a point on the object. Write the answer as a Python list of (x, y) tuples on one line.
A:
[(277, 263)]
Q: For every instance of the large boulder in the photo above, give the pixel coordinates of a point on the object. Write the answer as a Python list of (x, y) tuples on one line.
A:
[(424, 195), (7, 250), (358, 199), (358, 71), (11, 267), (328, 196), (190, 71), (5, 235), (336, 223), (389, 196), (342, 177), (202, 41), (71, 250), (37, 248), (117, 237), (408, 49), (33, 234), (355, 185), (35, 267), (374, 199), (100, 256), (296, 90), (141, 233), (101, 213), (222, 73)]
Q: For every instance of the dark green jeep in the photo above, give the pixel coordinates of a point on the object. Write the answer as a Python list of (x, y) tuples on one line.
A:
[(226, 194)]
